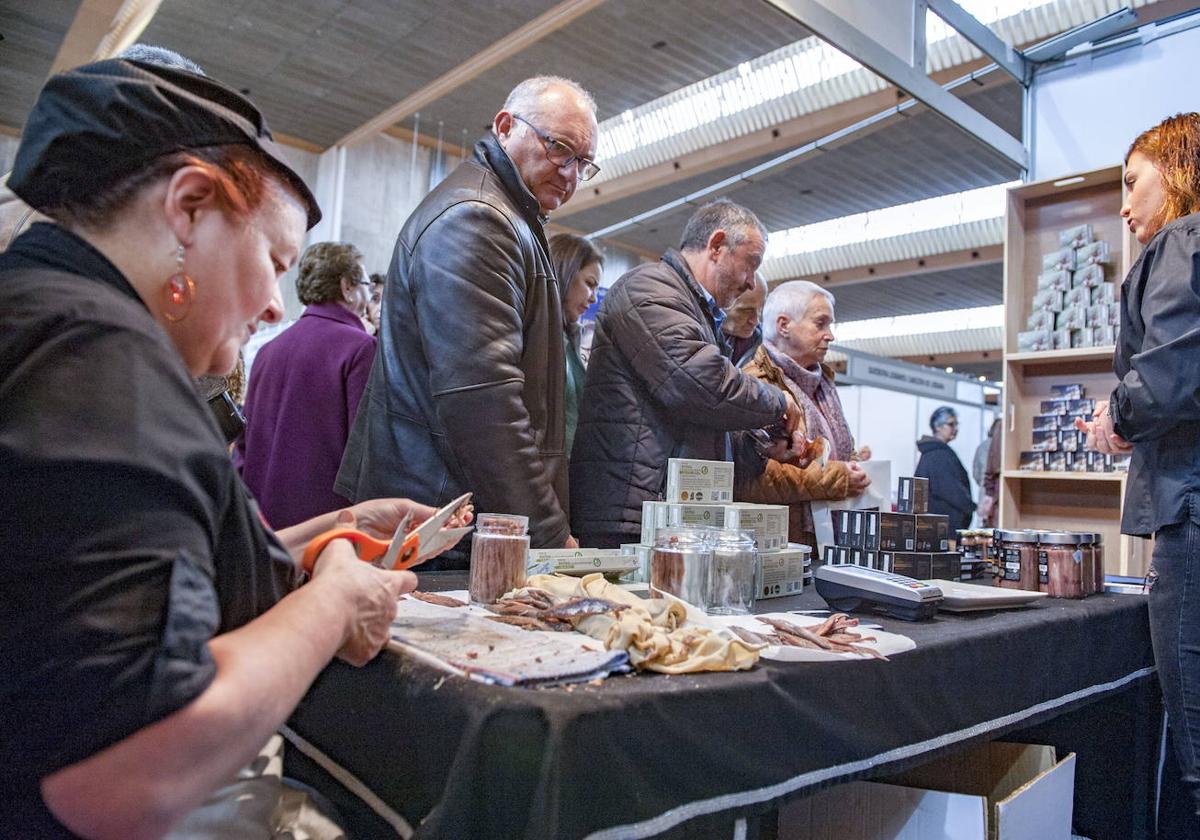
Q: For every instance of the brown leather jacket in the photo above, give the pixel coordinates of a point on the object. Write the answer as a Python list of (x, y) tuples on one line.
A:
[(785, 484)]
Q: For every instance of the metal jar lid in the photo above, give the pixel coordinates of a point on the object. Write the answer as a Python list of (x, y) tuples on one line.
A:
[(1097, 538), (1016, 536), (1057, 538), (1086, 537)]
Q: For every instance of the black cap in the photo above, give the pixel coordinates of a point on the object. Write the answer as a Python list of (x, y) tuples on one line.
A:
[(96, 124)]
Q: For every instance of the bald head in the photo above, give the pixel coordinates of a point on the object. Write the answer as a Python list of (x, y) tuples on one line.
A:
[(746, 312), (544, 117)]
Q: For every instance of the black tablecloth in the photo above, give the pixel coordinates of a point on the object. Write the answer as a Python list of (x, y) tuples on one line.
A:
[(641, 754)]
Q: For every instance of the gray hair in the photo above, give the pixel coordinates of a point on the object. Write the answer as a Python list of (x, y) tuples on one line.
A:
[(790, 299), (721, 214), (162, 57), (526, 98), (942, 415)]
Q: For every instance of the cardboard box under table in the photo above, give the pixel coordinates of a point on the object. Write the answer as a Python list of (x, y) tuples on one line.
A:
[(996, 792)]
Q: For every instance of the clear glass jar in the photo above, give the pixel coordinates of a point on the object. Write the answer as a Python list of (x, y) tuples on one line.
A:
[(680, 564), (1064, 559), (1017, 552), (731, 578), (499, 555)]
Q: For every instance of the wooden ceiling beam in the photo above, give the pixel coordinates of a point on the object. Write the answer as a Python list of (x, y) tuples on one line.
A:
[(776, 140), (982, 255), (508, 46), (102, 29)]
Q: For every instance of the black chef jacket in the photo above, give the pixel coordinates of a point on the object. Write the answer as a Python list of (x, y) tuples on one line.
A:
[(128, 539)]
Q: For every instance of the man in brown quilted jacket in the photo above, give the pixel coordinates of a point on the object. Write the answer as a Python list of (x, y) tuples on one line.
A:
[(797, 332)]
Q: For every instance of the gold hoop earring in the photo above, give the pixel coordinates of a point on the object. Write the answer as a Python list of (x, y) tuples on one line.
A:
[(177, 292)]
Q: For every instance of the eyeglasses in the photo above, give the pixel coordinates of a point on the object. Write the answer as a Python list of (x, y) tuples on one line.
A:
[(560, 154)]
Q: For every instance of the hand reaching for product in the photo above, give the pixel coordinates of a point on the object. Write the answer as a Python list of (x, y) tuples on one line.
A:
[(859, 480), (1100, 434)]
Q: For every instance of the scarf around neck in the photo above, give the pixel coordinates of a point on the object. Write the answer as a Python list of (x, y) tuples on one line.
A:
[(818, 398)]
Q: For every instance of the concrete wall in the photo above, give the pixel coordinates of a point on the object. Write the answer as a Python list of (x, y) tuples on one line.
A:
[(1086, 111)]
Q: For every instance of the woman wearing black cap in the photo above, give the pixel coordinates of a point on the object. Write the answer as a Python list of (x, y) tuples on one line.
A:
[(152, 635)]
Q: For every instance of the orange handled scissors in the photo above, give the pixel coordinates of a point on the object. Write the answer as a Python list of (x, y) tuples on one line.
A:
[(406, 549)]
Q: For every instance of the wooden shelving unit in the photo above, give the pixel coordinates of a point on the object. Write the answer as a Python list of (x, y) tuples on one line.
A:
[(1074, 501)]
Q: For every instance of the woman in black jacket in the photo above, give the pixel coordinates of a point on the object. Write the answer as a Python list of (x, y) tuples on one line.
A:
[(1155, 410), (949, 486)]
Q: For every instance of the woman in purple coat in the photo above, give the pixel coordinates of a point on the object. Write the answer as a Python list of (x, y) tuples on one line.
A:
[(304, 390)]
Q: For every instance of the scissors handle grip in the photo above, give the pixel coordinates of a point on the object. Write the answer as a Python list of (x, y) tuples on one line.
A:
[(366, 547)]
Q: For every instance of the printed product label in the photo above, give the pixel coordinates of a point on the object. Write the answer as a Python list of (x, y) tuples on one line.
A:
[(1012, 564), (1043, 567)]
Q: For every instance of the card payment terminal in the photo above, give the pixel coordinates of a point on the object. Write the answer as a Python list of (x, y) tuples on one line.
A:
[(847, 588)]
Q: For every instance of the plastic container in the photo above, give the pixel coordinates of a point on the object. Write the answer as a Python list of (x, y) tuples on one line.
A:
[(1016, 553), (731, 578), (1064, 558), (680, 564), (499, 549)]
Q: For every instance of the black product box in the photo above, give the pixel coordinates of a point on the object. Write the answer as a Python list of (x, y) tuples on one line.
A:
[(1096, 461), (871, 559), (1032, 461), (870, 530), (858, 557), (932, 532), (1068, 440), (1073, 391), (1053, 407), (841, 526), (1046, 422), (883, 560), (1117, 463), (836, 555), (923, 565), (1045, 441), (912, 495), (1056, 461), (1077, 462), (1067, 421), (856, 529), (897, 531), (1082, 407)]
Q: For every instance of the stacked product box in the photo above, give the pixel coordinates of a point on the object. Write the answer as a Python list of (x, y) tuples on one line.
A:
[(699, 494), (909, 541), (610, 562), (1057, 445), (975, 548), (1074, 305)]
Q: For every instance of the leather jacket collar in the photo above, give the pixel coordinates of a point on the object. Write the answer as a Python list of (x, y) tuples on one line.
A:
[(489, 153)]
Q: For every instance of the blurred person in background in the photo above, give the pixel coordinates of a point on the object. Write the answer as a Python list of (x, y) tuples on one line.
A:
[(305, 389), (154, 632), (1154, 413), (798, 329), (949, 484), (578, 265), (986, 471), (375, 305), (742, 328)]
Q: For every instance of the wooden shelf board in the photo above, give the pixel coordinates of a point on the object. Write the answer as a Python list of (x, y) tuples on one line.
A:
[(1046, 475), (1076, 354)]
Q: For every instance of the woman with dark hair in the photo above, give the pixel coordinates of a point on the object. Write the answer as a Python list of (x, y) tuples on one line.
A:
[(153, 633), (577, 265), (305, 387), (1154, 412)]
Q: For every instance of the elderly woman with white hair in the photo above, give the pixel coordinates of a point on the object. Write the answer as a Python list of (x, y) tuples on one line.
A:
[(797, 332)]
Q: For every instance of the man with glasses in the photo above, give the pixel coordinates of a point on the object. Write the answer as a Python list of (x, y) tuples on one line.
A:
[(949, 485), (466, 392)]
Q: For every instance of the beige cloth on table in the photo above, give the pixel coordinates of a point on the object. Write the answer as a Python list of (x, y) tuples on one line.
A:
[(649, 630)]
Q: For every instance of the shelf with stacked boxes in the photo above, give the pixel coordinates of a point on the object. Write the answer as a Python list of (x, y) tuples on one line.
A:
[(1064, 242)]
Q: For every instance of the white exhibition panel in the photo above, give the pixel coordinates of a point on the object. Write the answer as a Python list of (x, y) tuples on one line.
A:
[(1086, 112)]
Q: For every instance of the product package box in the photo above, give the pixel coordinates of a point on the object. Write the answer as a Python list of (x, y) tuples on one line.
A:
[(692, 480), (579, 561), (656, 515), (870, 530), (767, 524), (1075, 237), (1032, 461), (781, 572), (1056, 461), (1035, 341), (897, 531), (1045, 441), (932, 532), (836, 555), (1046, 422), (1072, 391), (912, 495), (843, 528), (926, 565), (642, 554), (884, 560)]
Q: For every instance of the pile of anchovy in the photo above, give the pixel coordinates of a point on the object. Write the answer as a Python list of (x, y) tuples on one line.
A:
[(833, 635), (534, 609)]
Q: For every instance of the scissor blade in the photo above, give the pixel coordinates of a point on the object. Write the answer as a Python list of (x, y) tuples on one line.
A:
[(398, 538)]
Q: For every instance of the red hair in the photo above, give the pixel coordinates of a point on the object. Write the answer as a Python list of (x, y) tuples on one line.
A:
[(1173, 146)]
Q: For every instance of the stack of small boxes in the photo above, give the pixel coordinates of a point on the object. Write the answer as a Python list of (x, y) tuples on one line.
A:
[(1057, 445), (910, 541), (700, 494), (1074, 306)]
